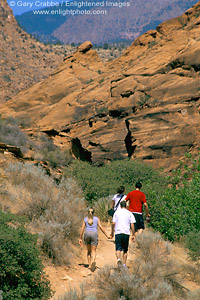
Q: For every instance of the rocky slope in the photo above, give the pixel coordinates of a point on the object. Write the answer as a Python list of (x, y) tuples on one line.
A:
[(143, 105), (102, 21), (23, 60)]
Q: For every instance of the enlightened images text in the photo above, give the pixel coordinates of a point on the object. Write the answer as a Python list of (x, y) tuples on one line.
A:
[(96, 4)]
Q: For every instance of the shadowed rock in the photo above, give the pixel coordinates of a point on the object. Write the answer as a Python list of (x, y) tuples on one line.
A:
[(15, 150)]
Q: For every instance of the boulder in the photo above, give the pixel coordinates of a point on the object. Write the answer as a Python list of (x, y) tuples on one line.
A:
[(85, 47)]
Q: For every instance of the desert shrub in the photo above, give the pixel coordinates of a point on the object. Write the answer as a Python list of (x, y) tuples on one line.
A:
[(61, 222), (11, 134), (44, 142), (55, 211), (21, 272), (151, 276), (144, 99), (193, 244), (46, 150), (194, 295), (34, 190), (75, 295), (111, 284), (58, 157), (7, 78), (101, 207)]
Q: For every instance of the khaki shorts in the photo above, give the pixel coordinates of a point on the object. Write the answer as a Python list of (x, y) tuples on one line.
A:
[(91, 238)]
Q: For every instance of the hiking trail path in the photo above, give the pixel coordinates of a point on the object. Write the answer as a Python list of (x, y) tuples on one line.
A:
[(64, 278)]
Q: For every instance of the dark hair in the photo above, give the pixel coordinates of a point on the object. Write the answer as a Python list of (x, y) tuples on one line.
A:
[(123, 204), (120, 189), (138, 185)]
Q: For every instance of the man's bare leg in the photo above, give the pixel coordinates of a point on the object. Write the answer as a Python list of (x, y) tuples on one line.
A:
[(119, 254), (125, 255)]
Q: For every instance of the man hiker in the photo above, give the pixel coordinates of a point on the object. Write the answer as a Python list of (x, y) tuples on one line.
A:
[(136, 200), (122, 223)]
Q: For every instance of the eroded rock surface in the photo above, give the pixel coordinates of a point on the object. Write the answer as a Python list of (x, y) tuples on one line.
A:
[(144, 104)]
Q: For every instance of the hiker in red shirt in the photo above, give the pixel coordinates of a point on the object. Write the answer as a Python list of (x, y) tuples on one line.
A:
[(136, 200)]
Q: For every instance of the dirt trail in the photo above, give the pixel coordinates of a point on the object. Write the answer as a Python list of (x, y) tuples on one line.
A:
[(63, 278)]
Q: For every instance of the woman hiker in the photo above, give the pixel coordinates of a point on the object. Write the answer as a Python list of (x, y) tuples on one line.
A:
[(119, 197), (90, 226)]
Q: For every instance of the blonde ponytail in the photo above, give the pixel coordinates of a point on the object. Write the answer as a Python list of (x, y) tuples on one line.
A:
[(90, 216)]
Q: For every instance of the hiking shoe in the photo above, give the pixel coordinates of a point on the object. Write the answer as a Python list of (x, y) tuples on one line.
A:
[(119, 263), (93, 266), (125, 266)]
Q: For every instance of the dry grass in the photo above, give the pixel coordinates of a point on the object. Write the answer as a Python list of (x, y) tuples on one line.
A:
[(55, 211), (75, 295)]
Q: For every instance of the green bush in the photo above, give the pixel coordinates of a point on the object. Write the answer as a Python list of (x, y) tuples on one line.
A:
[(21, 272), (98, 182), (176, 211), (174, 202)]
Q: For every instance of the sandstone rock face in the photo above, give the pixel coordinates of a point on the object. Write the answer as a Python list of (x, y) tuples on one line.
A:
[(23, 60), (144, 105)]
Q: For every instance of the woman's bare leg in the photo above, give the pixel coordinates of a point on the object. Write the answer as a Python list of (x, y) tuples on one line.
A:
[(93, 253), (93, 257), (89, 252)]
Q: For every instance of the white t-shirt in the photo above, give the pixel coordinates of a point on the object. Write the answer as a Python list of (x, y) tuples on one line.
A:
[(116, 199), (123, 219)]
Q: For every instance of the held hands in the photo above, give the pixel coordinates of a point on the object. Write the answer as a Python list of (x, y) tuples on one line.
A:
[(132, 238), (80, 242)]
